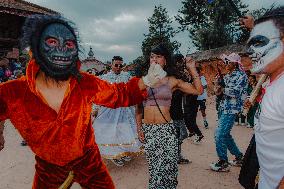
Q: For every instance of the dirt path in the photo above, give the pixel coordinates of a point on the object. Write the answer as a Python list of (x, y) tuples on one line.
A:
[(17, 162)]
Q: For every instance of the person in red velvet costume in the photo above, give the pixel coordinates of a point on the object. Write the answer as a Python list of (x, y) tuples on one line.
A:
[(51, 105)]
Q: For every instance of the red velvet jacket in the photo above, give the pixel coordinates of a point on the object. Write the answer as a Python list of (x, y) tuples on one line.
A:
[(64, 136)]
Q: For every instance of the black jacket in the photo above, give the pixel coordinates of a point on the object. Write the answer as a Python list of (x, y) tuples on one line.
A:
[(176, 105)]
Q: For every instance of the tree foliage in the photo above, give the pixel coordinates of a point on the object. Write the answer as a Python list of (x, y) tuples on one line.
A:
[(211, 25), (260, 12), (139, 66), (160, 31)]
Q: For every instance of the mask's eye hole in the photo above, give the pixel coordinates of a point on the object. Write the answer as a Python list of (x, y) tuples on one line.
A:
[(70, 44), (258, 41), (52, 42)]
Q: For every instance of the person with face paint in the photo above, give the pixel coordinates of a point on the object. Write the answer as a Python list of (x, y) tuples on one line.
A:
[(51, 105), (116, 129), (158, 131), (234, 94), (266, 49)]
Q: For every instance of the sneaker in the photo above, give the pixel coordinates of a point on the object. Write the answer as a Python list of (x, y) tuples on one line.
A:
[(237, 162), (198, 139), (205, 124), (236, 123), (249, 126), (126, 158), (117, 162), (183, 160), (243, 124), (220, 166), (24, 143)]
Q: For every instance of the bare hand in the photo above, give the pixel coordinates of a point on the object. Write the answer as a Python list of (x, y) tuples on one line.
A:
[(190, 63), (2, 141), (247, 22), (247, 104), (141, 136), (281, 184), (218, 90)]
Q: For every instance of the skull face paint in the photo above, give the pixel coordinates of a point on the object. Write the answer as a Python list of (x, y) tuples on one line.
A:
[(264, 45), (58, 47)]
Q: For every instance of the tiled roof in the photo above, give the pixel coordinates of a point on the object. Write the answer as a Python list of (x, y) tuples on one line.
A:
[(23, 8), (91, 63), (214, 54)]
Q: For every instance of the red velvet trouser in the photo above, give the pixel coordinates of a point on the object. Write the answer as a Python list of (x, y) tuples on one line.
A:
[(90, 172)]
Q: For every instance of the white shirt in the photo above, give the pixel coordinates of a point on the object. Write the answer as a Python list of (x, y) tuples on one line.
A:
[(269, 136), (204, 94)]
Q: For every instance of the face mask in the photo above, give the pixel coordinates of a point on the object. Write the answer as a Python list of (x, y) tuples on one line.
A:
[(264, 45), (58, 51)]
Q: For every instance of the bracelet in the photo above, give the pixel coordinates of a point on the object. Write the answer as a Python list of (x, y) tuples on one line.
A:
[(195, 77)]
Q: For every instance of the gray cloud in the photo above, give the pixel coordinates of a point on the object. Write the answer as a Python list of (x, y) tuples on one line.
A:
[(116, 27)]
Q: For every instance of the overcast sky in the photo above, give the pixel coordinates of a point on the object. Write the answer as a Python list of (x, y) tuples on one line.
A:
[(116, 27)]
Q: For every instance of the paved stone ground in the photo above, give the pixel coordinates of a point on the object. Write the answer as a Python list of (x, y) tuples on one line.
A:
[(17, 162)]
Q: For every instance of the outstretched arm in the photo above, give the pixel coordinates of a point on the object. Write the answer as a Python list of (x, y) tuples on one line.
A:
[(123, 94), (115, 95), (3, 102), (138, 116), (3, 113)]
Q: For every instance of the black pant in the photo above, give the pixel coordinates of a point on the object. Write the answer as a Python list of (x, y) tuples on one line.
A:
[(190, 120), (243, 118), (250, 166), (179, 142)]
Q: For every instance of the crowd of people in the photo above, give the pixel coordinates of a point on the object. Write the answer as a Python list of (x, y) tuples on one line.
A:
[(11, 68), (116, 116)]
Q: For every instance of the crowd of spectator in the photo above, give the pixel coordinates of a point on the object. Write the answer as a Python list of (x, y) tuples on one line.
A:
[(11, 68)]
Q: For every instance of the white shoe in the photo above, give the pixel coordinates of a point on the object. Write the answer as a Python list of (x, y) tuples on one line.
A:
[(117, 162), (197, 139), (220, 166), (126, 158)]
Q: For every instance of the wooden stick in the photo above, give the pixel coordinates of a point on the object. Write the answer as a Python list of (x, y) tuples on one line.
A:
[(255, 91), (68, 181)]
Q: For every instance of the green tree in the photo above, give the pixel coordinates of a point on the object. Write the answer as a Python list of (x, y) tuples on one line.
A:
[(160, 31), (211, 25), (139, 66), (260, 12)]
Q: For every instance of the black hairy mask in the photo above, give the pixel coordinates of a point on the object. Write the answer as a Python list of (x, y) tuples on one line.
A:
[(54, 46)]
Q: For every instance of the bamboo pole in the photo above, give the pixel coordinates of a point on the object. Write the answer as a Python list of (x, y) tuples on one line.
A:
[(68, 181)]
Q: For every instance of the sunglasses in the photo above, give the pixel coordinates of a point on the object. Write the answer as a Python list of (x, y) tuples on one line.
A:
[(118, 65), (227, 61)]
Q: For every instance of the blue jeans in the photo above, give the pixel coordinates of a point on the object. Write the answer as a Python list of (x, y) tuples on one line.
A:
[(224, 139)]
